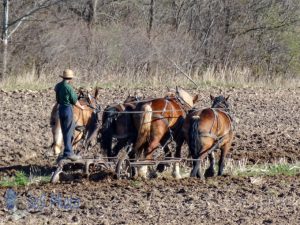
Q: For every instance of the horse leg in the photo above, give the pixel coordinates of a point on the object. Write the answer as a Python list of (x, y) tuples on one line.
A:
[(196, 172), (224, 150), (143, 170), (76, 139), (210, 172), (176, 168), (161, 167), (120, 144), (131, 156), (204, 147)]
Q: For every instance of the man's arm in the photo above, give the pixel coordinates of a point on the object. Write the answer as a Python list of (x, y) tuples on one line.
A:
[(74, 99), (79, 105)]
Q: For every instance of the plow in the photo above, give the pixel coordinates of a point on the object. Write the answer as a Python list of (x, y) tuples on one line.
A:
[(69, 170), (122, 167)]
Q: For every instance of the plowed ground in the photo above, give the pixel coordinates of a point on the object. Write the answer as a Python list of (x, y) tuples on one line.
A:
[(267, 125)]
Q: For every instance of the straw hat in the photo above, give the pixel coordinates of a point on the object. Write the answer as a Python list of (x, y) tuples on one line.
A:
[(67, 74)]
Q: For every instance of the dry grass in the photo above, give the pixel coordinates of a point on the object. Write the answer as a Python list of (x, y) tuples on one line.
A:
[(235, 77)]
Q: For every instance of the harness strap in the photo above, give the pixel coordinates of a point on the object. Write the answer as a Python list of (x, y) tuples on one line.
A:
[(216, 144), (161, 117), (211, 135), (216, 118)]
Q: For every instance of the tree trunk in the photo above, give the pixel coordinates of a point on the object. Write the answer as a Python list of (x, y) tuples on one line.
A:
[(149, 29), (92, 8), (151, 13), (5, 38)]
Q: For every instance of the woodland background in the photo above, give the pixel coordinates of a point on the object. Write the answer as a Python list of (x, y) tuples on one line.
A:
[(107, 40)]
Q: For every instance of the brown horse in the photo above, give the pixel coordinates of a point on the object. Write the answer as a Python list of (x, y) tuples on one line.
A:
[(207, 130), (86, 122), (160, 121)]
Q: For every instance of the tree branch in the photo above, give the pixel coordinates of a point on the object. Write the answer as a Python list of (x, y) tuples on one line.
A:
[(43, 5), (270, 27)]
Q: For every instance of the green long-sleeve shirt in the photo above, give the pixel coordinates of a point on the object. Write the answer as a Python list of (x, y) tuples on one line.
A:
[(65, 94)]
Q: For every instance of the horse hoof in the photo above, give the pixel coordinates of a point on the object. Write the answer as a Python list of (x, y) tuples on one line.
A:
[(161, 168), (177, 176), (143, 172), (153, 175), (209, 173)]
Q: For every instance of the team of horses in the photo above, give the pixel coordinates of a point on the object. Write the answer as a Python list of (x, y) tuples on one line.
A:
[(141, 126)]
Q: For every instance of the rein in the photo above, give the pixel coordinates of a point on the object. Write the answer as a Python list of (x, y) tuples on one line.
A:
[(97, 108), (184, 107)]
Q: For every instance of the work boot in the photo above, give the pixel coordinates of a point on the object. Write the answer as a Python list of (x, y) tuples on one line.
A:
[(73, 157)]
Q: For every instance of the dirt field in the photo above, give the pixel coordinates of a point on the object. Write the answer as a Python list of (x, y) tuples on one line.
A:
[(267, 129), (223, 200)]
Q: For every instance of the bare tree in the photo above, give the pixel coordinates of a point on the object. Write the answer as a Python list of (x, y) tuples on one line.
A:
[(117, 36), (8, 28)]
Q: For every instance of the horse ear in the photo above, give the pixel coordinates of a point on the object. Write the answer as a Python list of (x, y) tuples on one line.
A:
[(96, 93), (195, 99), (81, 93), (227, 98), (212, 97)]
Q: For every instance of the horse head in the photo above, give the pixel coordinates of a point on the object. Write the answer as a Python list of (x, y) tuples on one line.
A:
[(132, 98), (94, 126), (220, 102), (86, 98)]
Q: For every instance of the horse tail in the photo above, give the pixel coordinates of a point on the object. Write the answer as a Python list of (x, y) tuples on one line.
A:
[(54, 115), (144, 128), (194, 139), (107, 130), (56, 130)]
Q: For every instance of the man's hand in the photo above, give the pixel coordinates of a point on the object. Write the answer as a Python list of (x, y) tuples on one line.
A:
[(79, 105)]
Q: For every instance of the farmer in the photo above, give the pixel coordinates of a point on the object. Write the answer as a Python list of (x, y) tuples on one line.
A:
[(66, 98)]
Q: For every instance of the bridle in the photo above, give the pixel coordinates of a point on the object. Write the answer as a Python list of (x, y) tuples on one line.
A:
[(88, 98), (220, 103)]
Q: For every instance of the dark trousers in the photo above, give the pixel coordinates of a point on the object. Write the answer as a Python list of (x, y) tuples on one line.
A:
[(67, 127)]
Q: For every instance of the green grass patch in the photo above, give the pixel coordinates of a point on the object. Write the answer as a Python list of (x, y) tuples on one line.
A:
[(270, 170), (282, 167), (20, 179)]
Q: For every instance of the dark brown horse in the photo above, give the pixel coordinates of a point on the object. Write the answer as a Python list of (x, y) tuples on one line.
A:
[(160, 121), (86, 122), (206, 131), (117, 124)]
